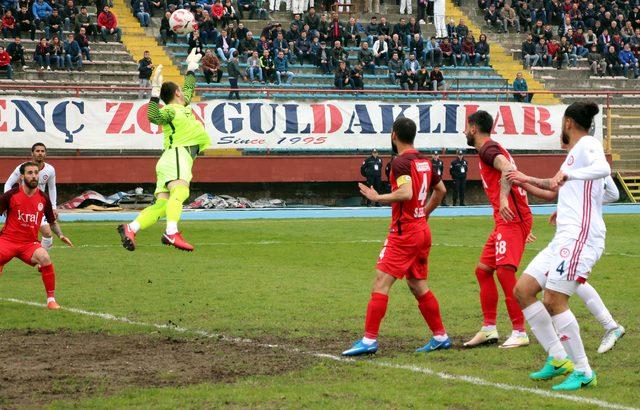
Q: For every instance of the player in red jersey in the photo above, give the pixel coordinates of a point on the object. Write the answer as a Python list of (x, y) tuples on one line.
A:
[(406, 250), (25, 206), (504, 248)]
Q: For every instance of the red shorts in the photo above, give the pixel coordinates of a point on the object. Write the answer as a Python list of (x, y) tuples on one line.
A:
[(23, 251), (505, 245), (406, 255)]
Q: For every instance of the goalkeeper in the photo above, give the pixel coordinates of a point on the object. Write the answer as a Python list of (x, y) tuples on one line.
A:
[(184, 138)]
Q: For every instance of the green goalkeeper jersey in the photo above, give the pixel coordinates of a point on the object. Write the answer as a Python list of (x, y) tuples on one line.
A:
[(180, 126)]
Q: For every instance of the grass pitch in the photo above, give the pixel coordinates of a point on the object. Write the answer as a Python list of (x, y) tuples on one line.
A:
[(296, 283)]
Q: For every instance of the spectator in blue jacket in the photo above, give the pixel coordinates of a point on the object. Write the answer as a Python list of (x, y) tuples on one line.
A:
[(282, 68), (628, 61), (411, 64), (520, 85), (142, 11), (432, 53), (41, 11), (73, 53)]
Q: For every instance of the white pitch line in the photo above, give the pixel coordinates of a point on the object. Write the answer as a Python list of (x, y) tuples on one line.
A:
[(412, 368)]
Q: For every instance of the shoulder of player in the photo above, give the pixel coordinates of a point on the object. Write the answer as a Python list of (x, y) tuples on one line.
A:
[(10, 193)]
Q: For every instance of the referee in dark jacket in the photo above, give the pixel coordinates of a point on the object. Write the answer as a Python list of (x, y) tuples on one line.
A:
[(371, 169), (458, 171)]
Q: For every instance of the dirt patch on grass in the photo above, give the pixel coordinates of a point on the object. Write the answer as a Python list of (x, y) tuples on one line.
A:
[(37, 367)]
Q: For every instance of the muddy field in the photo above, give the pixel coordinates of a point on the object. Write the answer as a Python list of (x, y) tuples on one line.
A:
[(37, 367)]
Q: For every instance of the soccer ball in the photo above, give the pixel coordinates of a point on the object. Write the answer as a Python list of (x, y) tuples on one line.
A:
[(182, 22)]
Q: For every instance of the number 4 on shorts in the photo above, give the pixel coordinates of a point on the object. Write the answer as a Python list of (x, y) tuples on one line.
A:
[(560, 268)]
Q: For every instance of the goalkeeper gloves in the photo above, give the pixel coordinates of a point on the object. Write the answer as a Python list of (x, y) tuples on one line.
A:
[(156, 82), (193, 60)]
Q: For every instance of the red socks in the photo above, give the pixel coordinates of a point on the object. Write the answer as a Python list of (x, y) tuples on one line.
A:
[(488, 296), (375, 312), (507, 278), (49, 279), (430, 309)]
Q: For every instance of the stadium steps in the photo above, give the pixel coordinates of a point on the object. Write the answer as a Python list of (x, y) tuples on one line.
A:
[(501, 59), (137, 41), (630, 182)]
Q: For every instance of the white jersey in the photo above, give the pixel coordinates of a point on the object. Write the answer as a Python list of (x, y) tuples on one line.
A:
[(580, 198), (46, 181)]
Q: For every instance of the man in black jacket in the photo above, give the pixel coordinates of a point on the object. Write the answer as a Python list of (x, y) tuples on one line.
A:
[(438, 168), (458, 171), (16, 51), (371, 169), (145, 68)]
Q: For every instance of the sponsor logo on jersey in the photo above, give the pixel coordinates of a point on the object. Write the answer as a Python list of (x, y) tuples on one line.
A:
[(423, 166), (564, 252), (28, 218)]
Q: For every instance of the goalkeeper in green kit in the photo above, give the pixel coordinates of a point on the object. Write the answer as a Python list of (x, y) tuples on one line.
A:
[(184, 138)]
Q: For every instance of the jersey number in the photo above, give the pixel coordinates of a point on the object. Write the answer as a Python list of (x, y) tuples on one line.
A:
[(560, 268), (422, 198)]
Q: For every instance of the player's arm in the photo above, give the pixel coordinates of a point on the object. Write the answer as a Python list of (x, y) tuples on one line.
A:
[(52, 191), (540, 193), (598, 166), (502, 164), (13, 179), (53, 221), (403, 193), (189, 86), (4, 201), (158, 116), (437, 195), (545, 184), (611, 193)]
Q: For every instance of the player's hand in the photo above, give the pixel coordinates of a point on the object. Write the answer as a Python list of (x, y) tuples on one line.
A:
[(193, 60), (66, 240), (531, 238), (156, 82), (559, 179), (505, 212), (368, 192), (516, 177), (553, 217), (55, 213)]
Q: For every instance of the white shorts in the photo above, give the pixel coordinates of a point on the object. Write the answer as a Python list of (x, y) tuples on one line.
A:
[(564, 264), (44, 221)]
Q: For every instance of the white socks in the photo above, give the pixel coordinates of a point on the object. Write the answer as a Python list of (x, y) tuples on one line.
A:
[(46, 242), (491, 328), (134, 226), (441, 338), (172, 228), (542, 327), (368, 341), (569, 332), (517, 333), (596, 306), (51, 300)]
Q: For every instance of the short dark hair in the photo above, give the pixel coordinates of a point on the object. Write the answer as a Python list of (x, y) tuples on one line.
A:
[(167, 91), (582, 113), (36, 145), (24, 166), (483, 120), (405, 130)]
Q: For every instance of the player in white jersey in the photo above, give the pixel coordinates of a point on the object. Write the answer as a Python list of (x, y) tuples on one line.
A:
[(46, 183), (566, 262)]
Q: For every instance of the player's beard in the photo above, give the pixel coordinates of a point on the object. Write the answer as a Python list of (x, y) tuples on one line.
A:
[(471, 140), (394, 147), (32, 183), (565, 137)]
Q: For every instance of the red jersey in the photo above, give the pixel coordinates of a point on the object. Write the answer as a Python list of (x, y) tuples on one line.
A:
[(518, 202), (24, 214), (411, 167)]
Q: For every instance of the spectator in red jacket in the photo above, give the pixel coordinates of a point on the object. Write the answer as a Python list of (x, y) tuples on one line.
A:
[(8, 25), (108, 25), (217, 14), (5, 63), (469, 49)]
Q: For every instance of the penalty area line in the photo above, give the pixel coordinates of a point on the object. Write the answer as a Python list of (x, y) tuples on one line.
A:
[(411, 368)]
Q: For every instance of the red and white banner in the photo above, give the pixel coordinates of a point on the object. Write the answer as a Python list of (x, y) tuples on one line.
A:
[(76, 123)]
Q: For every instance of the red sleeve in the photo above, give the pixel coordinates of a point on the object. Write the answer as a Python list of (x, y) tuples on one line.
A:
[(48, 209), (435, 178), (400, 166), (489, 151), (5, 199)]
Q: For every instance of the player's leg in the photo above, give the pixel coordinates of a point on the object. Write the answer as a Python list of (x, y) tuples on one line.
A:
[(593, 301), (178, 194), (40, 256), (510, 243), (531, 282), (47, 235), (488, 295), (376, 309)]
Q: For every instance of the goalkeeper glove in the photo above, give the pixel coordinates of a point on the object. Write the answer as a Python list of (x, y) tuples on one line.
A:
[(193, 60), (156, 82)]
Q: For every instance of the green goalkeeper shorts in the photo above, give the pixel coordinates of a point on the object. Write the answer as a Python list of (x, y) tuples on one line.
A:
[(175, 163)]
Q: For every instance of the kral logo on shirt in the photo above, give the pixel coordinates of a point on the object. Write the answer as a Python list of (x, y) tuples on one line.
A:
[(28, 218)]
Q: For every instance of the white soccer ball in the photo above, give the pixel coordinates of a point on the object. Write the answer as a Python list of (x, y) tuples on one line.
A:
[(182, 21)]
